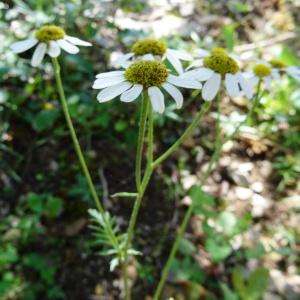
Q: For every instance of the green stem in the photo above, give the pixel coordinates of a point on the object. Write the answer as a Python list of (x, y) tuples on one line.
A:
[(186, 133), (141, 135), (204, 177), (56, 68)]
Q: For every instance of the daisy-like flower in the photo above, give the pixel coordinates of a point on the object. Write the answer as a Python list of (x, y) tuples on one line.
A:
[(201, 54), (262, 72), (143, 75), (219, 67), (48, 39), (279, 67), (151, 49), (271, 71)]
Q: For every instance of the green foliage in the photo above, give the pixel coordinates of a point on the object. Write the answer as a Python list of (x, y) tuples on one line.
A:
[(105, 230), (227, 226), (252, 287)]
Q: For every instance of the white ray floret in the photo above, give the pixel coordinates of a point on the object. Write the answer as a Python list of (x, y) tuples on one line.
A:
[(151, 49), (129, 84), (221, 69), (49, 40)]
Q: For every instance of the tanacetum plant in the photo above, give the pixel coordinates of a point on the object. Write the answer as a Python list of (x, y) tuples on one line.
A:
[(144, 77)]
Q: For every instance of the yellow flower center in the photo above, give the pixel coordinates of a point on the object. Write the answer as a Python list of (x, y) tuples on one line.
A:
[(261, 70), (147, 73), (149, 46), (49, 33), (221, 63), (218, 50), (277, 64)]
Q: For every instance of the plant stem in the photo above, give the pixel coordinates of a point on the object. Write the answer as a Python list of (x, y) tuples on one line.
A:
[(150, 168), (56, 68), (186, 133), (141, 135), (204, 177)]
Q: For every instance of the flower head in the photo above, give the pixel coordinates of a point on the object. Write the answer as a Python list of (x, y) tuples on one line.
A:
[(270, 71), (218, 67), (201, 54), (149, 46), (49, 39), (152, 49), (143, 75), (261, 70)]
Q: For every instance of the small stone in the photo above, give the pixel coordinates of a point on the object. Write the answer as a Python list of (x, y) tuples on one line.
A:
[(259, 205), (257, 186), (243, 193)]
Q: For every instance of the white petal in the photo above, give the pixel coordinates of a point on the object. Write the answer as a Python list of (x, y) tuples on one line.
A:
[(101, 83), (175, 93), (122, 60), (148, 57), (195, 63), (180, 54), (113, 91), (132, 93), (275, 74), (110, 74), (232, 85), (293, 70), (54, 49), (203, 74), (183, 81), (268, 82), (211, 87), (175, 62), (202, 52), (38, 54), (24, 45), (76, 41), (157, 99), (68, 47), (245, 85)]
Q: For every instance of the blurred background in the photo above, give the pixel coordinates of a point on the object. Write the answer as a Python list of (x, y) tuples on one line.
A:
[(243, 240)]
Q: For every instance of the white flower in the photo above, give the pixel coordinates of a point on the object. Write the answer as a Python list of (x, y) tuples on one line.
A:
[(150, 76), (48, 39), (293, 72), (262, 72), (218, 68), (151, 49), (201, 54)]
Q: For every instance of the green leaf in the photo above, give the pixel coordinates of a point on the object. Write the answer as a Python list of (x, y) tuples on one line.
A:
[(120, 126), (53, 207), (229, 36), (35, 202), (203, 202), (186, 247), (228, 293), (258, 283), (218, 250), (239, 284), (228, 222), (44, 120), (8, 255)]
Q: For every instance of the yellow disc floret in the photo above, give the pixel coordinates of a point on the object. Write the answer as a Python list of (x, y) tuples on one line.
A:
[(277, 64), (221, 63), (49, 33), (261, 70), (218, 50), (147, 73), (149, 46)]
